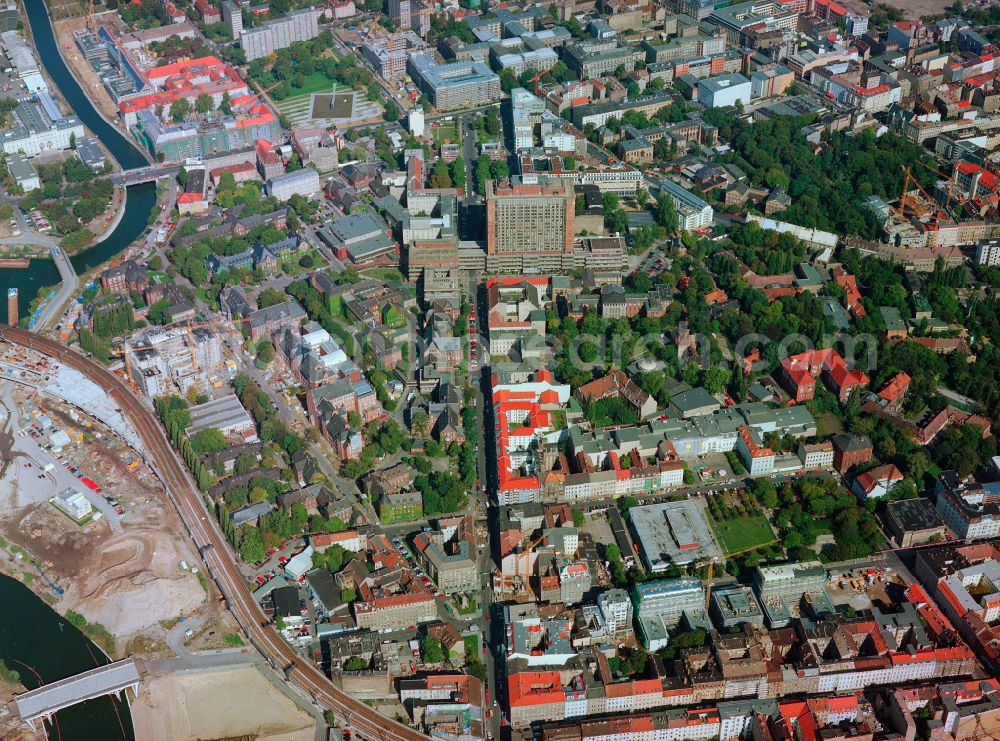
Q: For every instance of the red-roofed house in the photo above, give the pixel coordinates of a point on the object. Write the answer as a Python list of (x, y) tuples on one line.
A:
[(209, 13), (876, 483), (893, 392), (798, 374)]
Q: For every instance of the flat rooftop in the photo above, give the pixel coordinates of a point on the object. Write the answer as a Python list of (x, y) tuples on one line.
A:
[(673, 532), (218, 414)]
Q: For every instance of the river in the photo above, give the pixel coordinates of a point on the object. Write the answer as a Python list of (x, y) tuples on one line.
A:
[(140, 198), (34, 638)]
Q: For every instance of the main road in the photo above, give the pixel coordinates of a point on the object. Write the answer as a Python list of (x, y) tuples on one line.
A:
[(215, 550)]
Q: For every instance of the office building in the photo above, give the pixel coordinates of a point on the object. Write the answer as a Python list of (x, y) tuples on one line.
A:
[(185, 79), (914, 522), (73, 503), (388, 54), (735, 605), (39, 128), (969, 508), (668, 598), (782, 589), (724, 90), (456, 84), (530, 216)]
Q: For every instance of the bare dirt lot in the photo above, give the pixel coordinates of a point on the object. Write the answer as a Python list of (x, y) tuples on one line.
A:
[(218, 704), (912, 9), (122, 570), (918, 8)]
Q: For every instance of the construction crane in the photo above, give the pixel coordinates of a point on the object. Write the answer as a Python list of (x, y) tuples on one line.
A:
[(534, 80), (262, 91), (126, 355), (905, 207), (710, 562), (526, 585)]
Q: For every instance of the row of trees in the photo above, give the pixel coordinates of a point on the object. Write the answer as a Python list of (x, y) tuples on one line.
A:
[(176, 417)]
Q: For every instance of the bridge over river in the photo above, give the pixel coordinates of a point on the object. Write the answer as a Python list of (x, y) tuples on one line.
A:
[(45, 701), (139, 175)]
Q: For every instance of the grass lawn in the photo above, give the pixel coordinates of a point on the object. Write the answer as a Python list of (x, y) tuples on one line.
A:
[(444, 134), (384, 274), (317, 82), (827, 424), (742, 533), (471, 646)]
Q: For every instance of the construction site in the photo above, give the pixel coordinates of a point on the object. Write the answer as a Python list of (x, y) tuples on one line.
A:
[(174, 360), (956, 213), (121, 565)]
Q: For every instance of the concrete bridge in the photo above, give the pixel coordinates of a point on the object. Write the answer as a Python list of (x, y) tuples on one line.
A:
[(49, 699), (144, 174)]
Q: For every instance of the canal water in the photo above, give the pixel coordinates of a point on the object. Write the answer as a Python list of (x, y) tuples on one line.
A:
[(141, 198), (35, 638)]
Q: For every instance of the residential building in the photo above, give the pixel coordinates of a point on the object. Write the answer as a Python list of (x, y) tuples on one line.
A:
[(279, 33), (402, 506), (876, 482), (616, 384), (302, 182), (754, 454), (969, 508), (616, 608), (232, 16), (396, 603), (988, 252), (450, 557)]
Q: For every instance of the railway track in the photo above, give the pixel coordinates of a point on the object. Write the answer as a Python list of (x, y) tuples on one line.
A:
[(215, 551)]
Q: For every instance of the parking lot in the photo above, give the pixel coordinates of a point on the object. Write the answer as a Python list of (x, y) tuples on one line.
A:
[(654, 263)]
